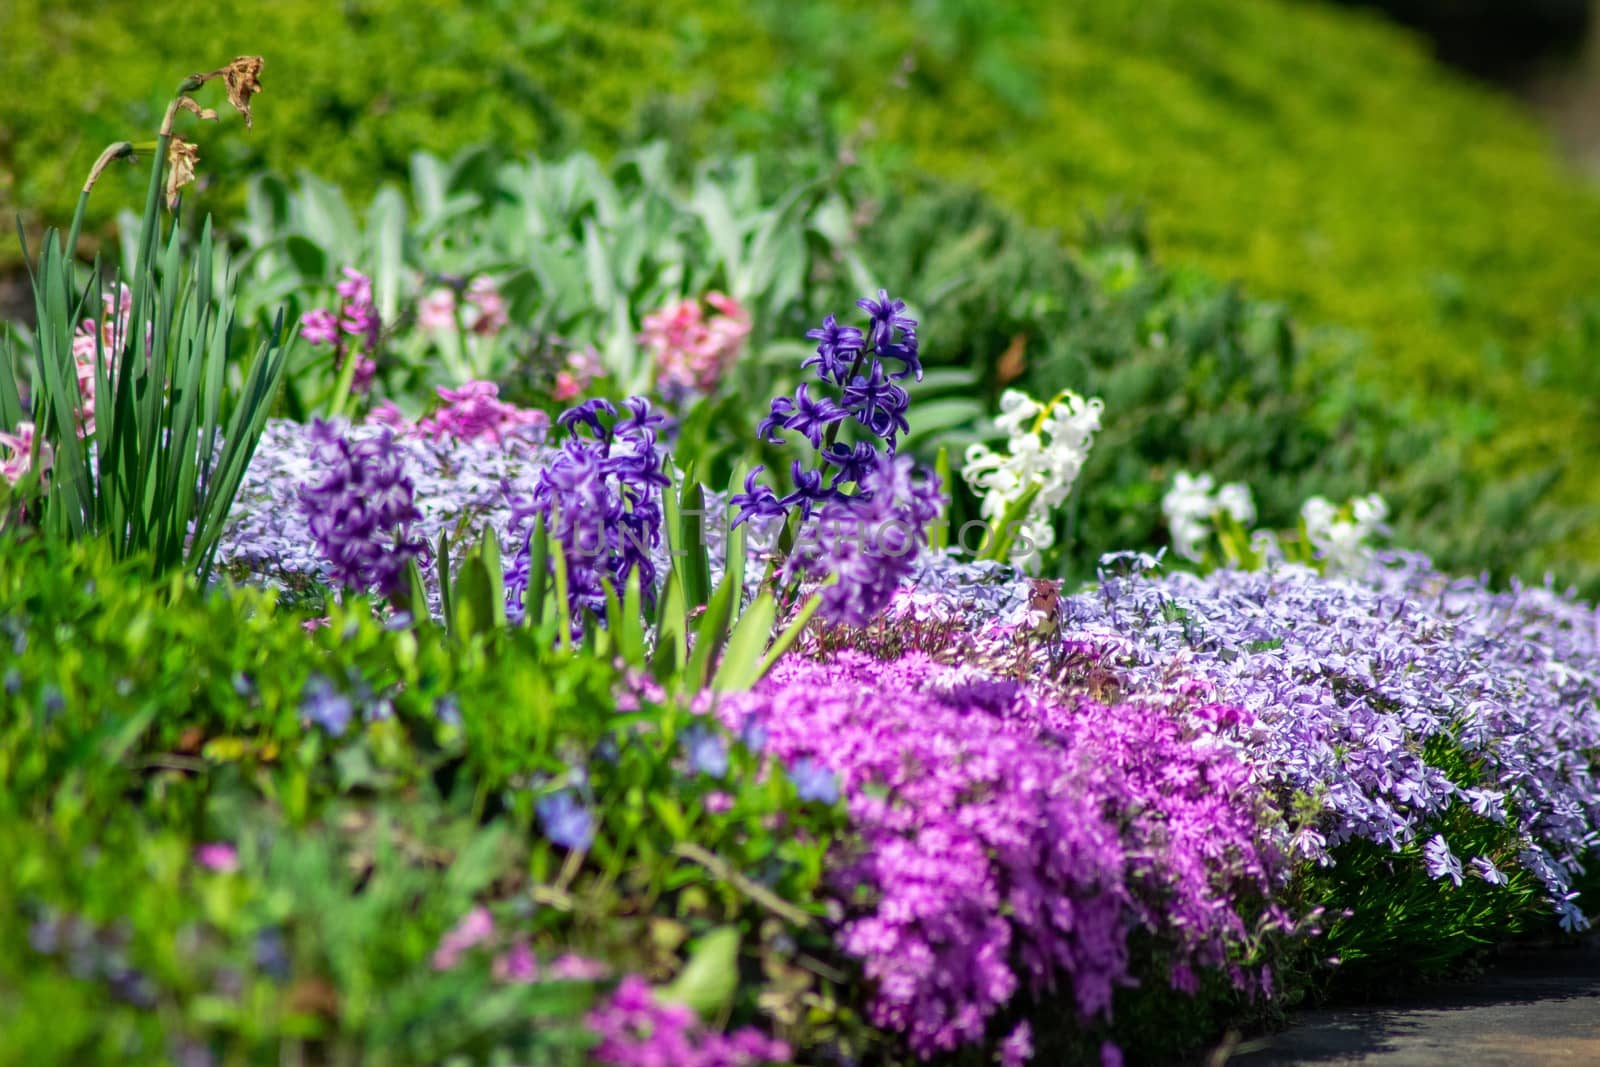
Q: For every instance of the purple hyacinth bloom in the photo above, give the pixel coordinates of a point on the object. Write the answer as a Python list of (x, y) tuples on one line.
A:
[(868, 542), (837, 348), (361, 510), (813, 781), (757, 501), (886, 319), (323, 705), (566, 821), (599, 497), (812, 416), (878, 404), (781, 409)]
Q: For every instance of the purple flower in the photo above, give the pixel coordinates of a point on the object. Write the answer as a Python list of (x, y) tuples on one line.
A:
[(319, 326), (637, 1030), (887, 320), (813, 781), (1442, 863), (868, 543), (1005, 840), (566, 821), (1017, 1049), (599, 497), (811, 417), (781, 410), (361, 511), (757, 501), (323, 705), (706, 750), (837, 348)]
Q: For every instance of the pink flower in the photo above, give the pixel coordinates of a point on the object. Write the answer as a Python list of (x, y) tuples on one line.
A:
[(20, 445), (475, 411), (567, 386), (356, 287), (217, 856), (691, 352), (387, 414), (488, 314), (516, 965), (319, 326), (436, 312), (91, 337), (476, 927), (574, 968), (719, 802)]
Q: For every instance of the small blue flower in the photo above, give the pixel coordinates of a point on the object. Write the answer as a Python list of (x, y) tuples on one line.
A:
[(447, 710), (566, 821), (707, 751), (323, 705), (753, 735), (813, 781)]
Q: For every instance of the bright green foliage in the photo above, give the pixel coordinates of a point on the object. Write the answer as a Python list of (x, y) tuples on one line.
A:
[(356, 88), (1318, 155), (140, 719)]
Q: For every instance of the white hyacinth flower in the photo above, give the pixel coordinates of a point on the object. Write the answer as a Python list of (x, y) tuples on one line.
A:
[(1046, 450)]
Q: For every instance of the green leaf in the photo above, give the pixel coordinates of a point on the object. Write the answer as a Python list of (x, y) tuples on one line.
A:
[(711, 635), (741, 663), (708, 981)]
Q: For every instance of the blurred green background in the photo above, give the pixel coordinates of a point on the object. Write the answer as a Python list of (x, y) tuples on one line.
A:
[(1433, 251)]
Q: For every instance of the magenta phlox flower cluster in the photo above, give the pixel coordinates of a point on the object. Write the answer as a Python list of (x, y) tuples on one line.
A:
[(638, 1030), (692, 351), (1011, 842)]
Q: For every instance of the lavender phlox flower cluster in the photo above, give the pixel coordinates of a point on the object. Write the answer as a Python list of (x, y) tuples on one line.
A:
[(356, 318), (459, 487), (862, 546), (600, 498), (1351, 678), (638, 1030), (1008, 841), (361, 509), (473, 411)]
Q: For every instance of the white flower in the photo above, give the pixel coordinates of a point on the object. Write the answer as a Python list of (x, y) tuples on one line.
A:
[(1344, 543), (1046, 450), (1235, 499)]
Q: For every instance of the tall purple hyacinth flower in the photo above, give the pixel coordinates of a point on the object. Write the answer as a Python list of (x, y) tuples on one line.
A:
[(361, 510), (868, 542), (600, 497)]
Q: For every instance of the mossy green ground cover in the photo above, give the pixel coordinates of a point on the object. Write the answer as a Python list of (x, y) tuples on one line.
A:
[(1315, 153)]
